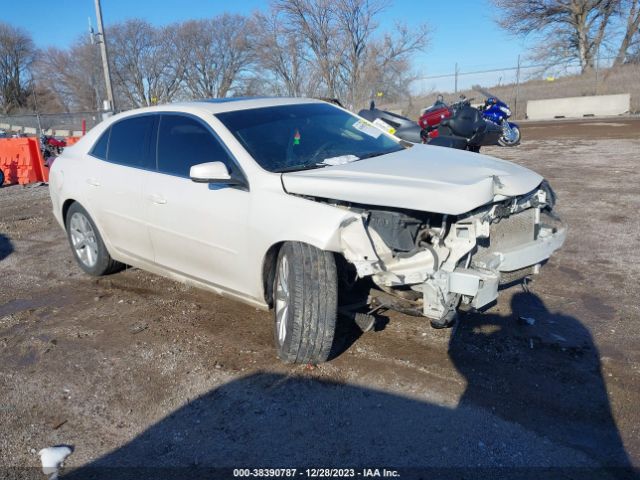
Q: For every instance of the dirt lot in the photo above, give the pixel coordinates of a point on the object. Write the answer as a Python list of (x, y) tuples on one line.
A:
[(136, 370)]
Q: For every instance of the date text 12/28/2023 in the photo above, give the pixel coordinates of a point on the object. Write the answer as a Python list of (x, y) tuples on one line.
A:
[(316, 472)]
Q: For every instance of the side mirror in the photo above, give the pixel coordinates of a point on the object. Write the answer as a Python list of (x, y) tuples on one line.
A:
[(213, 172)]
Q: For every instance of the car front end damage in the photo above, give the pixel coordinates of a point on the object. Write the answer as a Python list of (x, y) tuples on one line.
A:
[(436, 262)]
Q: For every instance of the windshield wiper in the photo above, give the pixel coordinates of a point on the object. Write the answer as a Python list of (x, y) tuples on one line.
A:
[(297, 168), (377, 154)]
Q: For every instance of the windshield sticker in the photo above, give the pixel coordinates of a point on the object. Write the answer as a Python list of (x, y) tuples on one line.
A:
[(367, 128), (296, 138), (341, 160), (384, 126)]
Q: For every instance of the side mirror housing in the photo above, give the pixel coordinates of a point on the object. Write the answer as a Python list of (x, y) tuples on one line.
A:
[(211, 172)]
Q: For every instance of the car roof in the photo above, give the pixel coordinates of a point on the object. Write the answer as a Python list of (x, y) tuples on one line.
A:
[(198, 107), (219, 105)]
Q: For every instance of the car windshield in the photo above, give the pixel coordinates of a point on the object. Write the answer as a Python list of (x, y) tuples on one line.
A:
[(298, 137)]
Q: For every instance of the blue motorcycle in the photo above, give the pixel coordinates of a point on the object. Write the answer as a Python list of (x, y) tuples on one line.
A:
[(496, 111)]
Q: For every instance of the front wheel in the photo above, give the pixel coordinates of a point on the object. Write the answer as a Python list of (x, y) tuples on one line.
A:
[(305, 303), (511, 138)]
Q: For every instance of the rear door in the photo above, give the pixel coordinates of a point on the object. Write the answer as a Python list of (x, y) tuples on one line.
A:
[(196, 229), (127, 156)]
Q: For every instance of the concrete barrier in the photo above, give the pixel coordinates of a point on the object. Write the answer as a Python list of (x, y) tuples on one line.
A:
[(578, 107)]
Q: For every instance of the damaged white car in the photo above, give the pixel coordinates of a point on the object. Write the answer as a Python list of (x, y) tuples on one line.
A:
[(282, 203)]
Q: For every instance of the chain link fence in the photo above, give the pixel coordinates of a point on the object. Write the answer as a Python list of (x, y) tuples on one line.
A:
[(35, 123), (514, 84), (521, 82)]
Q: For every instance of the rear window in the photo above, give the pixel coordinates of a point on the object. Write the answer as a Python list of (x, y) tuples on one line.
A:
[(100, 147), (130, 142)]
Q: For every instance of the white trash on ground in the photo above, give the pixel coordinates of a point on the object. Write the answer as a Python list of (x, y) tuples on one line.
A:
[(52, 459)]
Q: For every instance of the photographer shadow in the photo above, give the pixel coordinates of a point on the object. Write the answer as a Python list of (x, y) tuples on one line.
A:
[(541, 370), (6, 247), (531, 413)]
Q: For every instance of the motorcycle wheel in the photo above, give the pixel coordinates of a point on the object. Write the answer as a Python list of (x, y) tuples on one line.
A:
[(1, 178), (506, 143)]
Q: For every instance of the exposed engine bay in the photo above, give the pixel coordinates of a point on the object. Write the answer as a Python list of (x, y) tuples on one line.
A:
[(440, 261)]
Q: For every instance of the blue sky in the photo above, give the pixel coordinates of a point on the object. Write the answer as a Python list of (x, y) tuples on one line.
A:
[(463, 30)]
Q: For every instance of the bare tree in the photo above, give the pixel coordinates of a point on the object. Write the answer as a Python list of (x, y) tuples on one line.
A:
[(389, 66), (356, 24), (282, 53), (73, 75), (218, 51), (629, 11), (316, 22), (17, 53), (574, 29), (147, 67), (340, 39)]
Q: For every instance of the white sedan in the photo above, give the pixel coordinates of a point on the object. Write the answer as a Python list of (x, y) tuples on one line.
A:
[(281, 203)]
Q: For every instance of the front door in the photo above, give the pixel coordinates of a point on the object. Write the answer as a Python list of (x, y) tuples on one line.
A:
[(196, 229)]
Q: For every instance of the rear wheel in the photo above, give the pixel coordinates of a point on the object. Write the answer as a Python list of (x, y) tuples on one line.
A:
[(86, 243), (305, 303)]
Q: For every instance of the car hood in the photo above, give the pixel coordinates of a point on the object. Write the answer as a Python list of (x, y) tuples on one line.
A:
[(426, 178)]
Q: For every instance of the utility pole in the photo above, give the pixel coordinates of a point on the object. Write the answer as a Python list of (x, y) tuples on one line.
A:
[(105, 57), (597, 68), (35, 105), (515, 103), (456, 79)]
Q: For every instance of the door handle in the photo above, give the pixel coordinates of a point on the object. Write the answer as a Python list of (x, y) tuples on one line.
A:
[(158, 199), (93, 182)]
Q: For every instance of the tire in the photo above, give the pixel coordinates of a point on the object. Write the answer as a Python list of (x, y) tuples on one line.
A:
[(1, 178), (305, 292), (504, 143), (86, 243)]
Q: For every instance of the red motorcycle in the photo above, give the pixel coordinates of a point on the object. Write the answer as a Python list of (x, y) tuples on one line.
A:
[(51, 147), (433, 115)]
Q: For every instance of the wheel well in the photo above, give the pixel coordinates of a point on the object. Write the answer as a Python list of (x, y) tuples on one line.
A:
[(65, 208), (269, 266)]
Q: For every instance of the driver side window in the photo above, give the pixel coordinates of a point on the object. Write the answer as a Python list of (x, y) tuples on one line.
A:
[(183, 142)]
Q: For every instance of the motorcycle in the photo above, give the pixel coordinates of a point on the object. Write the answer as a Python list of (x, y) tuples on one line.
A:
[(460, 126), (497, 111), (431, 116), (464, 129), (51, 147), (397, 125)]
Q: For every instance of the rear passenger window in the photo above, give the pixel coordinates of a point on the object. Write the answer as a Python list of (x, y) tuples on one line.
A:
[(130, 142), (100, 147), (184, 142)]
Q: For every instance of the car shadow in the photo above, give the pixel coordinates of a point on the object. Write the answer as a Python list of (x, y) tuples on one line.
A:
[(6, 247), (532, 408)]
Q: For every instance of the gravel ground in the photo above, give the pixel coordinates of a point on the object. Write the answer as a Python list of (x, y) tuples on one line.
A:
[(139, 371)]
